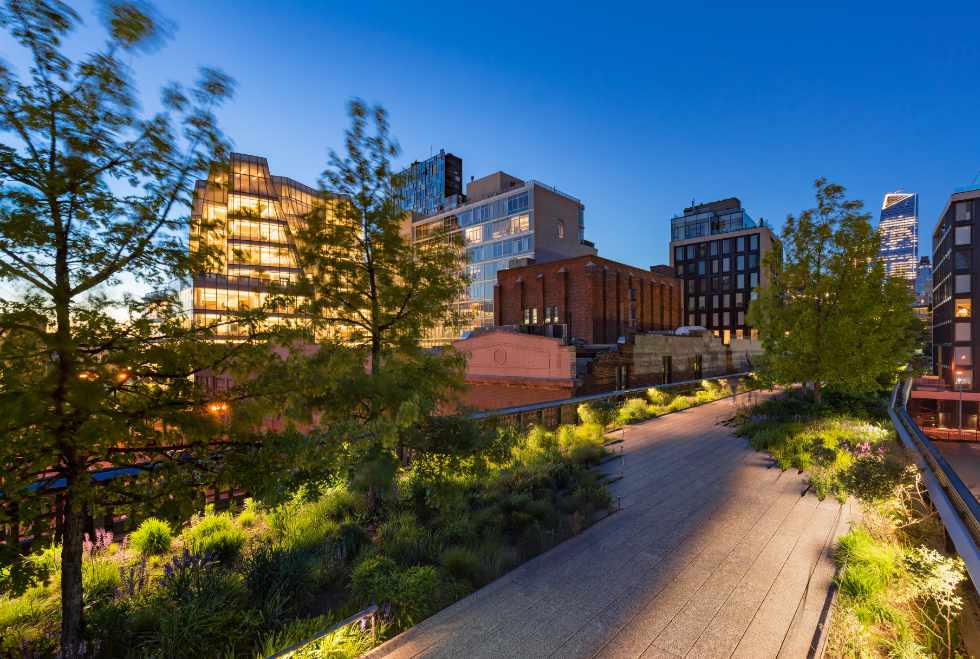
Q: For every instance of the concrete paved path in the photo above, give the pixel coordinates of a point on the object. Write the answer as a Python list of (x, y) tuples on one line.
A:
[(715, 553)]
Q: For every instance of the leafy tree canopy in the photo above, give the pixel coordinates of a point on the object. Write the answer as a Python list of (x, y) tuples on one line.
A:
[(829, 315)]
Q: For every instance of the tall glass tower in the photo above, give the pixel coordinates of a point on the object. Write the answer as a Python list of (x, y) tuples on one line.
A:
[(899, 230)]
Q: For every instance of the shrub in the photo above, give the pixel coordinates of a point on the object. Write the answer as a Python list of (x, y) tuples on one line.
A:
[(679, 403), (602, 413), (462, 564), (634, 410), (539, 447), (581, 444), (406, 541), (152, 537), (657, 396), (100, 579), (215, 536)]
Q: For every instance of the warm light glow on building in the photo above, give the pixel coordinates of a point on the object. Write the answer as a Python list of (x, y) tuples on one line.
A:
[(899, 234)]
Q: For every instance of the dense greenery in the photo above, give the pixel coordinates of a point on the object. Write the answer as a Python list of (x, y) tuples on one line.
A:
[(656, 403), (94, 195), (900, 594), (829, 315), (264, 578)]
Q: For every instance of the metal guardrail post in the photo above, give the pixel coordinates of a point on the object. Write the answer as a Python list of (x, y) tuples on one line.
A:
[(958, 509)]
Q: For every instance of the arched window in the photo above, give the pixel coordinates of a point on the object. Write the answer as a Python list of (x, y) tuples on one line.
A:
[(561, 229)]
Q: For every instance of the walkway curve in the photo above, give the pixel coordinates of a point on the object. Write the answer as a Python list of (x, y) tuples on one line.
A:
[(715, 553)]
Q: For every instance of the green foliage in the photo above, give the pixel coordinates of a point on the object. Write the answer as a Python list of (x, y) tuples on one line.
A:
[(215, 536), (414, 593), (868, 565), (582, 444), (406, 541), (29, 621), (349, 642), (657, 396), (538, 448), (634, 410), (152, 537), (678, 403), (841, 454), (100, 578), (601, 413), (462, 564), (829, 314)]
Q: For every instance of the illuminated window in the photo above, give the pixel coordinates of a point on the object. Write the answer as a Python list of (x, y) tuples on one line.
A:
[(962, 356), (964, 308), (474, 235)]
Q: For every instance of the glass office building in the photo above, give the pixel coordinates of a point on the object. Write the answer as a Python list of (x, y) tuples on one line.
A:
[(433, 185), (514, 223), (899, 232), (250, 216)]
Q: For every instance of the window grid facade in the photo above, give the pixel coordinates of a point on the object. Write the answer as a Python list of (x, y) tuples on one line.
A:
[(721, 264), (898, 228), (250, 217), (953, 291)]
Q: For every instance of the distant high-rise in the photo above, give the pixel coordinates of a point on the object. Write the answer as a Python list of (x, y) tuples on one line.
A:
[(433, 185), (899, 230), (923, 282)]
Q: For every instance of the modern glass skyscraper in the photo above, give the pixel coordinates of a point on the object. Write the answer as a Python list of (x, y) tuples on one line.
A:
[(433, 185), (899, 230), (251, 216)]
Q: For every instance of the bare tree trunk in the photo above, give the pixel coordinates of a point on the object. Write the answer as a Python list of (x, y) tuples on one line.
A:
[(817, 393), (71, 579)]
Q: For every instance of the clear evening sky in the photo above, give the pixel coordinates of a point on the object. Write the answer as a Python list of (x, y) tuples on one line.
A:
[(635, 109)]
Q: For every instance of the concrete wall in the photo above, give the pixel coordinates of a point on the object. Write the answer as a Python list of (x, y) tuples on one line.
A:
[(548, 208), (505, 368), (643, 359)]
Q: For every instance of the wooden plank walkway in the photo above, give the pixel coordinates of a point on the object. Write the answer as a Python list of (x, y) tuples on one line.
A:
[(715, 553)]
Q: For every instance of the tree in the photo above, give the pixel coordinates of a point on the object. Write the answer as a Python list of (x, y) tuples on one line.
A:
[(829, 315), (91, 195), (366, 285), (361, 274)]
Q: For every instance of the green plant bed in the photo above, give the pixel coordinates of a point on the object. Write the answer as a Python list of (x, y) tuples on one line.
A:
[(899, 594), (256, 582)]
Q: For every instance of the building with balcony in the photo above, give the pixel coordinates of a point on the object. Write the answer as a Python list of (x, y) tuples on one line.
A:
[(250, 216), (718, 251), (433, 185), (898, 228), (505, 222), (954, 290)]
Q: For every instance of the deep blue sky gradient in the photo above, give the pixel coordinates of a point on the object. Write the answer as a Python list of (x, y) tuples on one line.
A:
[(634, 108)]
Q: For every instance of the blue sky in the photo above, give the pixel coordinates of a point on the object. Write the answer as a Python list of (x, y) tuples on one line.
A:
[(635, 109)]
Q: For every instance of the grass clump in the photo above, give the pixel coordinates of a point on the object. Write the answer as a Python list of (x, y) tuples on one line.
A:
[(153, 537), (582, 444), (215, 536), (634, 410)]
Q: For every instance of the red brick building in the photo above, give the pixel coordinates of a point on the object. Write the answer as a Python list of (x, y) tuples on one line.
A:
[(588, 298)]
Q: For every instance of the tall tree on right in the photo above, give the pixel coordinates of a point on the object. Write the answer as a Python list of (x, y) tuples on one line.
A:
[(829, 316)]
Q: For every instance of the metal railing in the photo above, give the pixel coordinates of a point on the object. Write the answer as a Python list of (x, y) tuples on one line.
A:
[(615, 393), (958, 509), (370, 614)]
